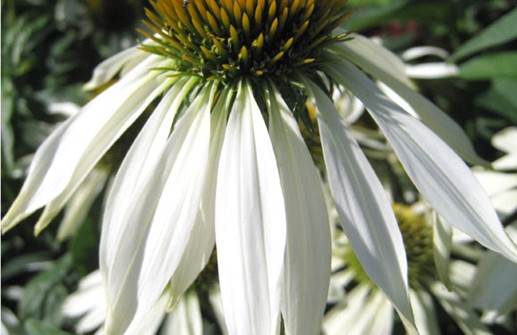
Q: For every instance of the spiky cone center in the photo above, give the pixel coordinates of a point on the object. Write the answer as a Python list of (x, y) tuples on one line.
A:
[(417, 234), (231, 39)]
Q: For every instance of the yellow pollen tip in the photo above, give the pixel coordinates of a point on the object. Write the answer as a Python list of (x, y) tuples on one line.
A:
[(227, 38)]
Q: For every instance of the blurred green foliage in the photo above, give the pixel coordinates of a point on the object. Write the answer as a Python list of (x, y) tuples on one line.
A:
[(49, 49)]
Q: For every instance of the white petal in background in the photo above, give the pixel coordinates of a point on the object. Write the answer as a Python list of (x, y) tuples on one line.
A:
[(432, 70), (364, 312), (454, 305), (77, 208), (308, 250), (363, 206), (423, 51), (386, 67), (87, 302), (494, 286), (250, 222), (438, 173), (425, 314), (506, 141), (67, 156)]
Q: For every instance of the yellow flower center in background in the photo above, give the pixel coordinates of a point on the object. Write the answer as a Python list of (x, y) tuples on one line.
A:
[(417, 234), (227, 39)]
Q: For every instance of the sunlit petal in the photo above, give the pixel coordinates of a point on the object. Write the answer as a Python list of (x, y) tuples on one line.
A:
[(308, 254), (250, 222), (438, 173), (363, 207)]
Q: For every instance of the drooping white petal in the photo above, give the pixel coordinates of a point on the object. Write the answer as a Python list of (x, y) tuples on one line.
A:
[(66, 157), (308, 253), (381, 63), (250, 222), (438, 173), (158, 225), (136, 168), (151, 321), (363, 207), (202, 238)]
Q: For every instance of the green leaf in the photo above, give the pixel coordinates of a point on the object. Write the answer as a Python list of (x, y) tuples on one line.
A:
[(37, 327), (372, 16), (501, 99), (38, 293), (499, 65), (23, 263), (502, 31), (84, 246)]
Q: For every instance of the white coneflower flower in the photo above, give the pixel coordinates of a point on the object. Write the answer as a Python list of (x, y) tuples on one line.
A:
[(220, 161), (361, 308)]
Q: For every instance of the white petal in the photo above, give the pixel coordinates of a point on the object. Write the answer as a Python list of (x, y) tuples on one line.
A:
[(250, 222), (106, 70), (507, 162), (505, 203), (87, 297), (66, 157), (88, 302), (151, 321), (465, 317), (417, 52), (365, 312), (442, 242), (496, 182), (495, 275), (161, 219), (185, 318), (380, 63), (202, 238), (432, 70), (425, 314), (506, 140), (78, 207), (363, 206), (308, 254), (217, 306), (135, 169), (438, 173)]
